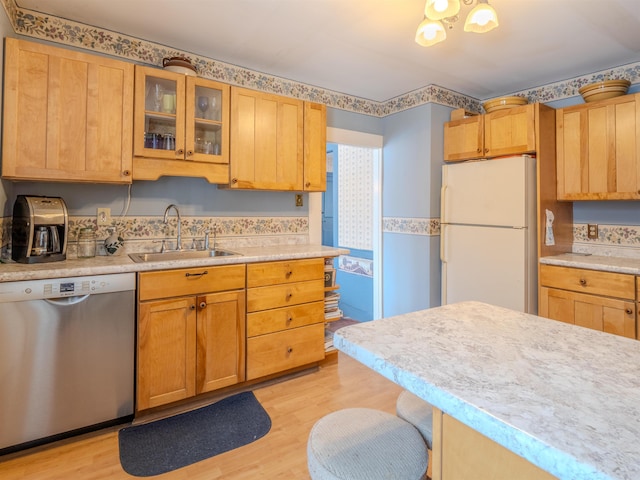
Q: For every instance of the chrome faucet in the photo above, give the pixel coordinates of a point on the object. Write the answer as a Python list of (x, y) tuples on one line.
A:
[(178, 236)]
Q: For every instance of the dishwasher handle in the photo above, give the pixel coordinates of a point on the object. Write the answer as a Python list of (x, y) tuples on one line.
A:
[(63, 301)]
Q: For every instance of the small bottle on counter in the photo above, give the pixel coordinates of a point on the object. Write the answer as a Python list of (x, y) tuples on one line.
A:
[(86, 243)]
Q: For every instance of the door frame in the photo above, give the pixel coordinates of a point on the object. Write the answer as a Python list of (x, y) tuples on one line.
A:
[(368, 140)]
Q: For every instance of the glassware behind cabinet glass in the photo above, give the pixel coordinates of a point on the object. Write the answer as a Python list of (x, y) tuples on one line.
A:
[(158, 93), (203, 105)]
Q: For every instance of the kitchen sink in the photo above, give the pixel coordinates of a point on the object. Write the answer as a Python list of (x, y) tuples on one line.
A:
[(179, 255)]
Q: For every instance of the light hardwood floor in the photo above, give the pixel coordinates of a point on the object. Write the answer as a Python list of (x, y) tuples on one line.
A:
[(293, 405)]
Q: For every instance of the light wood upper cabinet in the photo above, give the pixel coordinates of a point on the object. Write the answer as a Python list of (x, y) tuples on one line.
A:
[(464, 139), (598, 150), (181, 126), (504, 132), (510, 131), (315, 147), (67, 115), (277, 143)]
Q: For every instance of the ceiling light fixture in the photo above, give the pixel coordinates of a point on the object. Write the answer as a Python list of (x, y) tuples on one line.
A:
[(438, 13)]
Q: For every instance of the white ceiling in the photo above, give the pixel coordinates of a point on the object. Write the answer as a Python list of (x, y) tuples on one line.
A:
[(366, 48)]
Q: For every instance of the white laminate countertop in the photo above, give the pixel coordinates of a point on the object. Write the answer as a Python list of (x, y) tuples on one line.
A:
[(564, 397), (595, 262), (13, 272)]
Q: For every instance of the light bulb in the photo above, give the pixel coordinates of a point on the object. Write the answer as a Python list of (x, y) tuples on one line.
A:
[(440, 5)]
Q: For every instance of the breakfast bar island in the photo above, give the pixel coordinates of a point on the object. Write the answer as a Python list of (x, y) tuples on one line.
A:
[(514, 395)]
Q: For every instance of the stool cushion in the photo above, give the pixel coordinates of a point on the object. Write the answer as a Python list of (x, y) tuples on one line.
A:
[(418, 413), (365, 444)]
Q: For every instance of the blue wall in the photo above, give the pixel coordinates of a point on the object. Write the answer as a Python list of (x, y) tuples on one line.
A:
[(413, 153)]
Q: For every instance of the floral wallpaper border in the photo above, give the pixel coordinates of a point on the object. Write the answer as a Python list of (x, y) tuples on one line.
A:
[(613, 240), (411, 226), (46, 27), (143, 234)]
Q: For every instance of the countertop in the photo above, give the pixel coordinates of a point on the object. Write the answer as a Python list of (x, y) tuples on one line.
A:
[(595, 262), (12, 271), (564, 397)]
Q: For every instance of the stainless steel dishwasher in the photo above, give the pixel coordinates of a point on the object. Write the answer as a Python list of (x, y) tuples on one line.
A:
[(66, 357)]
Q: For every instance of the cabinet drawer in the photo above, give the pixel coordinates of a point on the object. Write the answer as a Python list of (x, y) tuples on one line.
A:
[(190, 281), (269, 321), (281, 351), (271, 273), (275, 296), (609, 284)]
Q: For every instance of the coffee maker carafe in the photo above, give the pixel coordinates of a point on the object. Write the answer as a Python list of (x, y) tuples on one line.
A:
[(39, 229)]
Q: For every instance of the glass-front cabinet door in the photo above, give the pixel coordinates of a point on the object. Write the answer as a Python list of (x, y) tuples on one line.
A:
[(179, 117), (159, 114), (207, 104)]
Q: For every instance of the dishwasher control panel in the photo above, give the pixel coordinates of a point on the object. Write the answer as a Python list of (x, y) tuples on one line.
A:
[(66, 287)]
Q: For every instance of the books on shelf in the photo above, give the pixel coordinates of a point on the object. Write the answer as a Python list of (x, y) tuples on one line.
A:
[(331, 309)]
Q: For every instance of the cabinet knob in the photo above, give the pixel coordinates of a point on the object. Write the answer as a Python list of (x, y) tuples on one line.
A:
[(234, 180), (289, 320), (289, 295), (289, 350), (308, 184), (486, 150), (583, 282), (189, 153), (628, 311), (288, 274), (479, 150), (203, 304), (126, 173), (180, 152), (192, 306)]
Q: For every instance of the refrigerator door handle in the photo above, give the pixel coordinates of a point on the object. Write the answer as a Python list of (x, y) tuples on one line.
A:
[(443, 259), (443, 210)]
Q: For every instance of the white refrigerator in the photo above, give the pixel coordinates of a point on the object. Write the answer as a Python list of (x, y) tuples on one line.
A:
[(488, 232)]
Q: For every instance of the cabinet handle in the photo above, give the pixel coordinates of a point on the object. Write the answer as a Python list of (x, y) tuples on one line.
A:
[(479, 150), (289, 295), (203, 304), (628, 311), (180, 152), (583, 282), (192, 307), (195, 274), (288, 274), (289, 320), (126, 173), (289, 350), (308, 184), (486, 150), (234, 180), (189, 153)]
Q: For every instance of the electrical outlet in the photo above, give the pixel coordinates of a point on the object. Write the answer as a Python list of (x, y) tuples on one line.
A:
[(104, 216), (592, 231), (299, 202)]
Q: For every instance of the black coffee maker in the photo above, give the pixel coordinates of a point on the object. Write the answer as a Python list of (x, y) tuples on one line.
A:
[(39, 229)]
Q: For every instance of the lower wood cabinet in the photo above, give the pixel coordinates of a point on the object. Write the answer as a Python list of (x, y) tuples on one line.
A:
[(191, 333), (602, 301), (461, 453), (285, 315)]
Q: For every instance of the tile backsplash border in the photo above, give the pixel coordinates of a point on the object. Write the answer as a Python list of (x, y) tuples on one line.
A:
[(145, 233), (613, 240), (59, 30)]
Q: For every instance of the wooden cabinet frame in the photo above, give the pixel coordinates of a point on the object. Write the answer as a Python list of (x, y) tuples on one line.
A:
[(68, 115)]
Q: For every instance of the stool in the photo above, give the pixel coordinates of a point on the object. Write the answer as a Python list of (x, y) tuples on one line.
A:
[(418, 413), (365, 444)]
